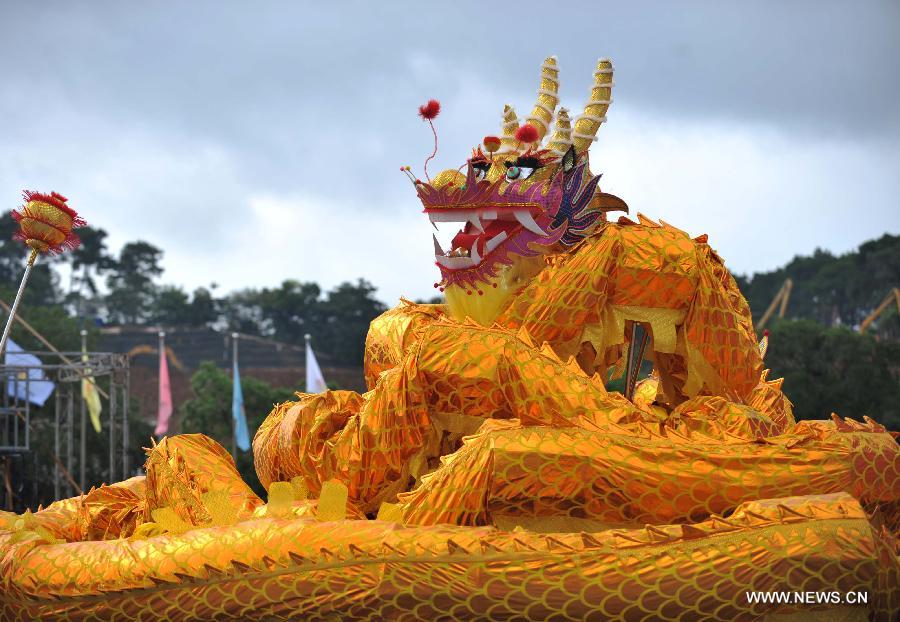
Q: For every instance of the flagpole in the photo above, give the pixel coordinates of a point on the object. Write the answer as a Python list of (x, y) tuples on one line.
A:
[(162, 353), (81, 463), (15, 306), (234, 358), (308, 338)]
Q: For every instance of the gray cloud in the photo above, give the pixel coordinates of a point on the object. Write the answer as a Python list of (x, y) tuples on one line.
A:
[(165, 120)]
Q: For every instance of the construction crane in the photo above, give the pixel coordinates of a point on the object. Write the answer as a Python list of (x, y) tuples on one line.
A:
[(893, 296), (780, 300)]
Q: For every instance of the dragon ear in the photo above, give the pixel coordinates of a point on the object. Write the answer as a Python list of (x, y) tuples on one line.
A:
[(568, 159)]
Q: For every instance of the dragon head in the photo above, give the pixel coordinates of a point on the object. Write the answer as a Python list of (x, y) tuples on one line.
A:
[(520, 198)]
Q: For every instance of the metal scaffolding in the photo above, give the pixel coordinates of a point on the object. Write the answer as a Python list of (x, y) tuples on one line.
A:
[(68, 410)]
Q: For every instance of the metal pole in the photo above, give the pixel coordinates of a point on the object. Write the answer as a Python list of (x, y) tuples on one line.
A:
[(4, 429), (306, 380), (70, 434), (234, 359), (27, 411), (162, 354), (16, 407), (112, 424), (83, 451), (125, 399), (57, 401), (15, 306)]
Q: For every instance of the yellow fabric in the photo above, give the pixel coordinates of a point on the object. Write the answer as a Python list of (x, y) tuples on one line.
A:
[(91, 396)]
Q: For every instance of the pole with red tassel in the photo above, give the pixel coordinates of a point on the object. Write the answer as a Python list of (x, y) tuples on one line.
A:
[(428, 112), (45, 226)]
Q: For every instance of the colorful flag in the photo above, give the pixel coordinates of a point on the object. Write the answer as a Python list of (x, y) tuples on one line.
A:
[(315, 382), (27, 384), (241, 435), (165, 395), (89, 393)]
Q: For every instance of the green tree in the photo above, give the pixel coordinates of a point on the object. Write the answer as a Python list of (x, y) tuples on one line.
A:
[(43, 284), (209, 411), (204, 308), (12, 253), (290, 311), (131, 283), (241, 312), (89, 261), (832, 290), (829, 370), (171, 307), (347, 311)]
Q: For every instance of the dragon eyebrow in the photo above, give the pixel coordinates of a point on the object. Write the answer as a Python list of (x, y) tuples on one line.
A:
[(529, 161)]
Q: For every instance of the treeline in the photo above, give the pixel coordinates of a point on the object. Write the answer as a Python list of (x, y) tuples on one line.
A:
[(132, 295), (826, 364), (836, 370), (817, 347), (833, 290)]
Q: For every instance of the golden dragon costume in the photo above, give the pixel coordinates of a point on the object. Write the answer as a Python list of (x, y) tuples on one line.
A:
[(489, 472)]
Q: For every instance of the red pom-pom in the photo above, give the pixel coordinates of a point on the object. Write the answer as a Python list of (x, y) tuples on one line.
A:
[(766, 333), (527, 133), (491, 143), (430, 110)]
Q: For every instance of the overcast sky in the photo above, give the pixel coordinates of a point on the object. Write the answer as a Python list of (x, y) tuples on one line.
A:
[(259, 141)]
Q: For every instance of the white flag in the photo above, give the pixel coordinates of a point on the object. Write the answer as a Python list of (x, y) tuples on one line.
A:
[(315, 382), (27, 382)]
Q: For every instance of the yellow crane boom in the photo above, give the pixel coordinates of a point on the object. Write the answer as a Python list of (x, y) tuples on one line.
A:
[(893, 296), (780, 300)]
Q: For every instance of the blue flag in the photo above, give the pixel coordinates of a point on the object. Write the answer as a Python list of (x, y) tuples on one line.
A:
[(27, 382), (242, 437)]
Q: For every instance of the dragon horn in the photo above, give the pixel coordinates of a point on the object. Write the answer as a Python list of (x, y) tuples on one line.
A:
[(510, 125), (562, 132), (587, 124), (547, 97)]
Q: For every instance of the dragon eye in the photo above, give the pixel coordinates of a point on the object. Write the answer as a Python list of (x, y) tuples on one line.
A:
[(523, 168), (480, 170), (519, 172)]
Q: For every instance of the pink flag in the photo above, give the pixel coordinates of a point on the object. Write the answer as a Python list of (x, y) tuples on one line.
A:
[(165, 396)]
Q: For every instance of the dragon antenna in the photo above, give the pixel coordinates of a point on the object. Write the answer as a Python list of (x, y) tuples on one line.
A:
[(508, 140), (562, 133), (547, 98), (587, 124), (428, 112)]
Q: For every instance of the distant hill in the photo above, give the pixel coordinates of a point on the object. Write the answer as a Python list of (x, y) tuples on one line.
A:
[(833, 290)]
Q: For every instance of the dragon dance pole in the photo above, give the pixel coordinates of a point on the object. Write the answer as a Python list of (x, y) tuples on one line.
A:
[(15, 305), (45, 226)]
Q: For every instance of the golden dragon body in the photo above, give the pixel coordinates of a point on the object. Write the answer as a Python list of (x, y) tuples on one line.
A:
[(489, 473)]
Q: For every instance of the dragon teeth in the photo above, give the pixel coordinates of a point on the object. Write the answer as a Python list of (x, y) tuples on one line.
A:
[(445, 217), (455, 263), (526, 220), (495, 241), (438, 251)]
